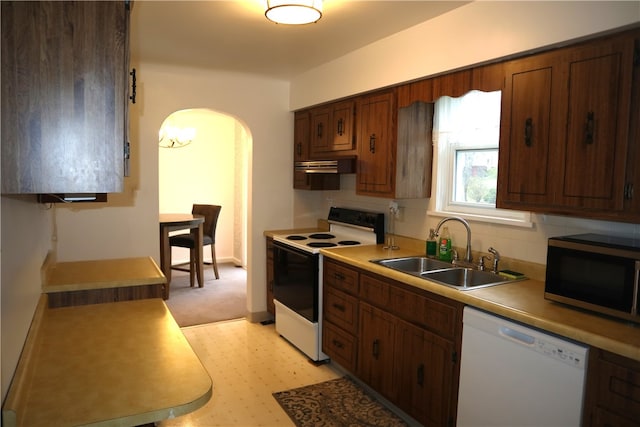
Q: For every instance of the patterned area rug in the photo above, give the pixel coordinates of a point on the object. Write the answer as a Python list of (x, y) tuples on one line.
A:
[(338, 402)]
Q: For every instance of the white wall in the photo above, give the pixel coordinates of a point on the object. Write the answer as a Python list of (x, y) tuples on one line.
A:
[(471, 34), (26, 237)]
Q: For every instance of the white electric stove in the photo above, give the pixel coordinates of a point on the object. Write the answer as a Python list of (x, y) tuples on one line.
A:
[(297, 286)]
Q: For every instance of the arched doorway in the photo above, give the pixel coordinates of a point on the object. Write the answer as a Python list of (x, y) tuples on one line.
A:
[(203, 158)]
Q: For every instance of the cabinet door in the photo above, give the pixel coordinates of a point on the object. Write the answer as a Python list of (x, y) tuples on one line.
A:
[(342, 121), (320, 130), (64, 88), (597, 120), (425, 368), (301, 129), (376, 145), (376, 349), (525, 145), (612, 390)]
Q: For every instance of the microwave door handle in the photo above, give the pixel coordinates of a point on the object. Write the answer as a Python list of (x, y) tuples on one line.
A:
[(636, 285)]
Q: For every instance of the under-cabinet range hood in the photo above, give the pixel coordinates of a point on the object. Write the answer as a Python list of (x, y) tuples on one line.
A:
[(346, 165)]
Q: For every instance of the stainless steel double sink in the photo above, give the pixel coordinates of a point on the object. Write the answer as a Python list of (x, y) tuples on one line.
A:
[(444, 273)]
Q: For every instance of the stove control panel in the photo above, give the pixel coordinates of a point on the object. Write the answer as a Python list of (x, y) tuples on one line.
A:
[(372, 220)]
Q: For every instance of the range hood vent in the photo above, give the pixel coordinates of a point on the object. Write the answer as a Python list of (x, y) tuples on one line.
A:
[(326, 166)]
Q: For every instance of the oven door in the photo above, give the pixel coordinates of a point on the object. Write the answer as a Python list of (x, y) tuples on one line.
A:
[(295, 283)]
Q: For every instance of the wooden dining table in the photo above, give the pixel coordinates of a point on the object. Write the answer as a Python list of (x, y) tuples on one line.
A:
[(177, 221)]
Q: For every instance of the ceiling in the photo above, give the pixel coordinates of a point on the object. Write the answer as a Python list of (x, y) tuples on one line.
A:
[(235, 35)]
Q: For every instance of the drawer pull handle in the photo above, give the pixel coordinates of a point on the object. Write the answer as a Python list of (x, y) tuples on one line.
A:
[(338, 307), (338, 344), (376, 349), (528, 132), (589, 128), (132, 97), (420, 374), (338, 276)]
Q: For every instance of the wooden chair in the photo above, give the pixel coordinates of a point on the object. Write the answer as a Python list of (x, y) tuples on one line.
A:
[(210, 213)]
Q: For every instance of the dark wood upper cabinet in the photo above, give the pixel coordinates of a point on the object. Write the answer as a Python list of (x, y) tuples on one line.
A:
[(565, 130), (64, 96), (376, 145), (301, 138), (332, 130)]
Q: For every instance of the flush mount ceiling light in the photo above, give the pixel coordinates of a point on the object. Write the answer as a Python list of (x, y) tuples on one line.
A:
[(294, 12)]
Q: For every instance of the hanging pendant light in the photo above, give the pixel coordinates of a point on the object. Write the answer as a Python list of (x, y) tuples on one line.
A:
[(294, 12), (175, 137)]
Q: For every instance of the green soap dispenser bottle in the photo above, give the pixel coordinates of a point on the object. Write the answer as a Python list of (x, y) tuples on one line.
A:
[(432, 244), (444, 246)]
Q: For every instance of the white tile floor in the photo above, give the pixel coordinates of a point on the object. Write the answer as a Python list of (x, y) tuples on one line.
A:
[(247, 362)]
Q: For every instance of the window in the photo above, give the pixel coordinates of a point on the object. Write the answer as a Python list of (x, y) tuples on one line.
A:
[(466, 133)]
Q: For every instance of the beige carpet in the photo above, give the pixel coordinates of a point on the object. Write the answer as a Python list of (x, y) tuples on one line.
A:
[(221, 299)]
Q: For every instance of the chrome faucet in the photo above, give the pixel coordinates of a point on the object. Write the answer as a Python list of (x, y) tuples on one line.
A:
[(467, 258), (496, 258)]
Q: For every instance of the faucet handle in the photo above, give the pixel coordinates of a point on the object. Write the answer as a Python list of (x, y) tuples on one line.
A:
[(496, 258)]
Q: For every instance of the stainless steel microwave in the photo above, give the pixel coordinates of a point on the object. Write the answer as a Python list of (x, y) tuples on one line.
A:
[(595, 272)]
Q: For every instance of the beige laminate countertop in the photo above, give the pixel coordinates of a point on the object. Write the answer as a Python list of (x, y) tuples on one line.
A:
[(114, 364), (98, 274), (521, 301)]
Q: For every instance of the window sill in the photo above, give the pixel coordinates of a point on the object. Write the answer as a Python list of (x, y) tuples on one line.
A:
[(513, 222)]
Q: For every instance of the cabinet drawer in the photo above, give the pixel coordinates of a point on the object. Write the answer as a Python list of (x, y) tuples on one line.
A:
[(340, 277), (341, 309), (429, 313), (374, 290), (615, 386), (340, 346)]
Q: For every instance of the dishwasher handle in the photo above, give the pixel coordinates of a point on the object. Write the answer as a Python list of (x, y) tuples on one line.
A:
[(517, 336)]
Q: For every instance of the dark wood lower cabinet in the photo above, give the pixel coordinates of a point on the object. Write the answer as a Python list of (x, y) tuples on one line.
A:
[(401, 341), (376, 355), (425, 375), (612, 396)]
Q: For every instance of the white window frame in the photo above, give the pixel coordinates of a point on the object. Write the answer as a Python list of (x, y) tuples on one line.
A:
[(444, 171)]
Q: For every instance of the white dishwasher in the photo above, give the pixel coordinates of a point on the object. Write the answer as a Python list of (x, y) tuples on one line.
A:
[(513, 375)]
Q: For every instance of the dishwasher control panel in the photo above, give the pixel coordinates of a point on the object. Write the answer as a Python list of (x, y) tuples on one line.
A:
[(539, 341), (562, 353)]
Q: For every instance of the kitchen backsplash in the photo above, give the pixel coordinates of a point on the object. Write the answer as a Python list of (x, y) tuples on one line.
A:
[(518, 243)]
